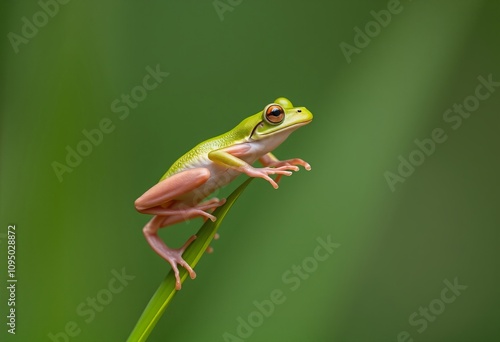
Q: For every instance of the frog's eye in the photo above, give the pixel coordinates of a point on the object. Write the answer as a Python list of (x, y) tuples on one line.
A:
[(274, 114)]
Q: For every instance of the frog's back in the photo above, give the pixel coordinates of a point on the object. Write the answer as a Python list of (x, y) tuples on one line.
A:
[(198, 155)]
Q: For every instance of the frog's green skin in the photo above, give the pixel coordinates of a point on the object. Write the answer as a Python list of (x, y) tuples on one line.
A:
[(215, 163)]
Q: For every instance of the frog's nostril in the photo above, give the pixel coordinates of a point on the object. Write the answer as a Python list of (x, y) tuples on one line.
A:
[(299, 110)]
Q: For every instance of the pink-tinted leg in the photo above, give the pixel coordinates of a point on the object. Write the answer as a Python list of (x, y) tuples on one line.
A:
[(177, 214), (171, 188), (173, 256), (162, 200), (271, 161)]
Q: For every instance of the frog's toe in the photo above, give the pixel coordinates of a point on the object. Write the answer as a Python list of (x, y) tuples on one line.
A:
[(210, 249)]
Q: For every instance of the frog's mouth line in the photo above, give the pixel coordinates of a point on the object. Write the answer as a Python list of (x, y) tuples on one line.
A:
[(298, 124), (283, 130)]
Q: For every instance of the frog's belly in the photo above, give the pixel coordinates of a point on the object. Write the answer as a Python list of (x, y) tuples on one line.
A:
[(220, 176)]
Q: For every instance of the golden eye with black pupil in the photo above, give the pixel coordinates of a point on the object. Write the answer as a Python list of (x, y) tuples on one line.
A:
[(274, 114)]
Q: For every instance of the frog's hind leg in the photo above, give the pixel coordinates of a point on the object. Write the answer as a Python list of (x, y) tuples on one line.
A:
[(160, 201), (172, 255), (209, 206), (171, 188), (183, 214)]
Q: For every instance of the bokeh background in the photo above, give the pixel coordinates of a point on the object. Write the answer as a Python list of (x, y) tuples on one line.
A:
[(396, 247)]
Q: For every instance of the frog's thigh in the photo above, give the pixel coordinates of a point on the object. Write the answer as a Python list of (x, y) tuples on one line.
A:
[(172, 187)]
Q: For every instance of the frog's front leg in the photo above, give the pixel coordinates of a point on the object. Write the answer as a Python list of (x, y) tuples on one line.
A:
[(161, 201), (270, 159), (230, 157)]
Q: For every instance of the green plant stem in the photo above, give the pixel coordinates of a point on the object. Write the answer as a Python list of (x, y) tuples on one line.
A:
[(166, 291)]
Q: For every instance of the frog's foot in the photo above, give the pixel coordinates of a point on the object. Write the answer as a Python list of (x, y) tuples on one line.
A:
[(212, 203), (203, 210), (209, 206), (174, 258), (294, 161), (183, 212), (264, 172), (270, 160), (289, 162), (210, 249)]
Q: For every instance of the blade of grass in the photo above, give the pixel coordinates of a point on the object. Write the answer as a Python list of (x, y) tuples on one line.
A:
[(166, 291)]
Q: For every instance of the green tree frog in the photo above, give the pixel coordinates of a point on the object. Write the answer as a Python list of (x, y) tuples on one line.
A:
[(179, 194)]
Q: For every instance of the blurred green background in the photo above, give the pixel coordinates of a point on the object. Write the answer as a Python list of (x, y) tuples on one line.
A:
[(397, 248)]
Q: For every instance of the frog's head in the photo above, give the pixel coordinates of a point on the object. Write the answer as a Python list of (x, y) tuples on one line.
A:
[(280, 116)]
